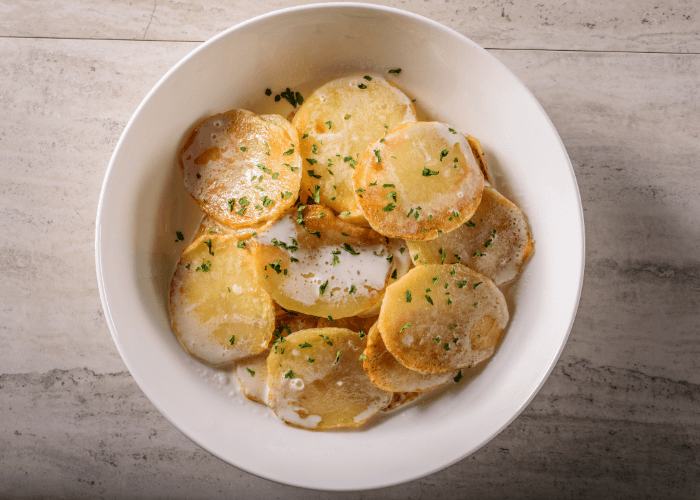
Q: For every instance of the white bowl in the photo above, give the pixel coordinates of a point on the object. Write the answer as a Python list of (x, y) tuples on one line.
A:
[(143, 203)]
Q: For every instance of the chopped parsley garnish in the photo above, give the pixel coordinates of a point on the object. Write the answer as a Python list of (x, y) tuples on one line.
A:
[(436, 279), (267, 201), (453, 327), (452, 130), (352, 290), (345, 214), (362, 86), (337, 358), (276, 266), (363, 356), (372, 184), (347, 117), (461, 284), (180, 236), (317, 193), (443, 153), (430, 301), (305, 345), (408, 296), (393, 275), (407, 325), (289, 374), (446, 346), (205, 267), (390, 258), (348, 248), (396, 71), (252, 373), (322, 288), (377, 153), (470, 224), (477, 284), (391, 195), (288, 152), (388, 186), (427, 172), (478, 254), (389, 207), (311, 161), (488, 243), (313, 174), (232, 340), (268, 92), (452, 273), (458, 377), (311, 360), (240, 244), (368, 78), (242, 148), (330, 124), (264, 168)]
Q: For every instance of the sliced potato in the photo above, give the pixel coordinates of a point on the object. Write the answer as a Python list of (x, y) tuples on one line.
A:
[(335, 125), (288, 322), (313, 262), (210, 225), (252, 374), (219, 311), (355, 323), (419, 182), (317, 381), (480, 158), (243, 170), (440, 318), (399, 399), (390, 375), (400, 264), (495, 242)]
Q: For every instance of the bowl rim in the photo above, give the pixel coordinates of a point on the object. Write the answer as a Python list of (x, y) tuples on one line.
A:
[(580, 258)]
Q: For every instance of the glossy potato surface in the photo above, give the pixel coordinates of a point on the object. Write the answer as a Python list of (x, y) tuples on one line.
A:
[(210, 225), (421, 181), (317, 381), (495, 242), (218, 309), (252, 375), (335, 124), (240, 168), (440, 318), (314, 263)]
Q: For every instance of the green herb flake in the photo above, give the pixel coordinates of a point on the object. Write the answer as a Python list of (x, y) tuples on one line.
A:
[(348, 248), (352, 290), (452, 130), (453, 327), (242, 148), (407, 325), (393, 275), (179, 236), (330, 124), (317, 193), (232, 340), (430, 301), (458, 377), (427, 172), (477, 284), (289, 374), (240, 244), (389, 207), (362, 86), (408, 296), (313, 174), (462, 284), (337, 358), (395, 71), (368, 78), (347, 117), (322, 288), (443, 153), (363, 356), (377, 153), (252, 373), (305, 345), (311, 161)]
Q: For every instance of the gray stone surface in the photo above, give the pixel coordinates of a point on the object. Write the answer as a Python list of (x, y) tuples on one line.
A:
[(620, 415)]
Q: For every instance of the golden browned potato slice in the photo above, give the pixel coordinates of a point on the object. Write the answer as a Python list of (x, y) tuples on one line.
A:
[(313, 262), (281, 121), (212, 226), (480, 158), (495, 242), (219, 310), (418, 182), (399, 399), (335, 125), (243, 170), (390, 375), (441, 318), (252, 374), (317, 382)]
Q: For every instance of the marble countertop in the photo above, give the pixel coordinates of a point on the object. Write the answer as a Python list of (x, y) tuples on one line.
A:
[(620, 414)]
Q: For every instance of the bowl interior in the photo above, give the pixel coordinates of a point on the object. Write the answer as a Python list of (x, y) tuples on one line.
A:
[(143, 204)]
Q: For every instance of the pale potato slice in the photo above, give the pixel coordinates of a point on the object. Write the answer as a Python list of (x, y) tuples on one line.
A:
[(399, 399), (313, 262), (495, 242), (210, 225), (288, 322), (243, 170), (390, 375), (317, 381), (418, 182), (252, 374), (219, 311), (335, 125), (440, 318)]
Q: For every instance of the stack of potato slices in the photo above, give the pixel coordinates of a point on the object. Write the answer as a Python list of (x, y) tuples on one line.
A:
[(347, 262)]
